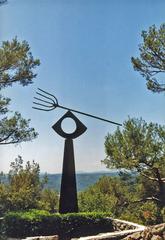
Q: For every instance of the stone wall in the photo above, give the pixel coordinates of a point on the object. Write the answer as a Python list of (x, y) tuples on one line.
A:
[(55, 237), (121, 230), (150, 233), (120, 225)]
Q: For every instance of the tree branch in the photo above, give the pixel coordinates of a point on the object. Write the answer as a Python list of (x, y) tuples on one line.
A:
[(12, 142), (147, 199), (16, 79), (151, 178), (9, 135)]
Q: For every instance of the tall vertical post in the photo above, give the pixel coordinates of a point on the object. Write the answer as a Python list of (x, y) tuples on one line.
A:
[(68, 193)]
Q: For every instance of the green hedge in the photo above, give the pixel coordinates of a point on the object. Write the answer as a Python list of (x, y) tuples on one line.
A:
[(39, 222)]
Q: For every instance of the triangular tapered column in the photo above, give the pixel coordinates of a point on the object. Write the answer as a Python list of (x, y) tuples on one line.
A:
[(68, 193)]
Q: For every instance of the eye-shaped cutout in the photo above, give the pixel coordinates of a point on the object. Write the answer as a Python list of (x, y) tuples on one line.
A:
[(80, 127)]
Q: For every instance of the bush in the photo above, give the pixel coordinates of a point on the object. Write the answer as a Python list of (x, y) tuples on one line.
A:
[(39, 222), (147, 213), (163, 214), (49, 200)]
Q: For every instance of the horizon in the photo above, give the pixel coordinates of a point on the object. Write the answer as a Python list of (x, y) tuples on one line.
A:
[(80, 172)]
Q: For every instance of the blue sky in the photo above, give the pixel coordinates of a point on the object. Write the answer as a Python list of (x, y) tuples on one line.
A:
[(85, 49)]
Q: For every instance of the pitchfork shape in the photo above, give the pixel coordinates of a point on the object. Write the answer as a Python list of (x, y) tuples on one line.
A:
[(48, 102)]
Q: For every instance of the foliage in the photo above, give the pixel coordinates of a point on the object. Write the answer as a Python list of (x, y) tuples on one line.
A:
[(49, 200), (121, 196), (163, 214), (4, 102), (24, 187), (34, 222), (15, 130), (16, 65), (151, 63), (84, 180), (108, 194), (141, 147), (3, 198), (145, 213), (150, 213)]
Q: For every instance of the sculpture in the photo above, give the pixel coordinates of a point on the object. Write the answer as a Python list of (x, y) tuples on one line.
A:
[(68, 192)]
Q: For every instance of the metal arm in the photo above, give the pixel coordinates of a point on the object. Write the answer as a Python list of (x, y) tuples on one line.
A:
[(49, 102)]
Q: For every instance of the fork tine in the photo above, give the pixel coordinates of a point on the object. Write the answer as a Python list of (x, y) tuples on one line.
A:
[(45, 96), (43, 101), (49, 105), (49, 94), (43, 105), (41, 109)]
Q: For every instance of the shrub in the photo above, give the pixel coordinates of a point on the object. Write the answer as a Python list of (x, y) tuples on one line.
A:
[(39, 222), (147, 213), (49, 200), (163, 214)]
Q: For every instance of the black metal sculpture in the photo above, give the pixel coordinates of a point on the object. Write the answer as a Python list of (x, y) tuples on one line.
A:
[(68, 193)]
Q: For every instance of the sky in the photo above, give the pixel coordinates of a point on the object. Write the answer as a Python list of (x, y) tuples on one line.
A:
[(85, 48)]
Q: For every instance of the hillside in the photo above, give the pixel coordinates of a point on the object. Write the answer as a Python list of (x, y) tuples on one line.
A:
[(84, 180)]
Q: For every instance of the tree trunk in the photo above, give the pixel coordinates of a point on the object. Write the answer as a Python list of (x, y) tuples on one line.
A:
[(161, 186), (161, 194)]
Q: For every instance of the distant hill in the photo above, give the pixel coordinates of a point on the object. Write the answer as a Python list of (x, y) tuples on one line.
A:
[(84, 180)]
